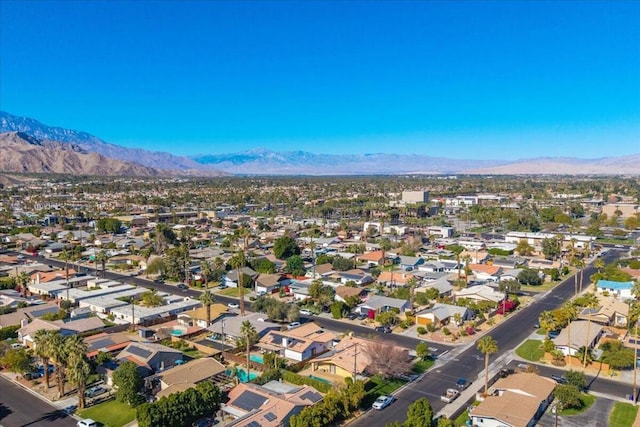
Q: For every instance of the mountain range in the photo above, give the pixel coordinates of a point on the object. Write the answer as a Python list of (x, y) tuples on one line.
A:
[(31, 146)]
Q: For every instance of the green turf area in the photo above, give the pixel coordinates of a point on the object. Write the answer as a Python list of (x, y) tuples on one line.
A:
[(230, 292), (623, 415), (378, 386), (110, 414), (531, 350), (422, 366), (586, 399)]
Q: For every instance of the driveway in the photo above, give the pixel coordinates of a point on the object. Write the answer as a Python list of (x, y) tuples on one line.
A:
[(596, 416)]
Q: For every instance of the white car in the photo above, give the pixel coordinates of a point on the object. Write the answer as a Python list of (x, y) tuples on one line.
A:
[(233, 305), (382, 402), (87, 422), (306, 312)]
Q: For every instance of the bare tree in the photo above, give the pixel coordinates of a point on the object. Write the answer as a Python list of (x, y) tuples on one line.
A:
[(386, 359)]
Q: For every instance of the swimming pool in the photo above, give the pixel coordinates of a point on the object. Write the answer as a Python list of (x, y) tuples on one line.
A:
[(256, 358), (322, 380), (242, 375)]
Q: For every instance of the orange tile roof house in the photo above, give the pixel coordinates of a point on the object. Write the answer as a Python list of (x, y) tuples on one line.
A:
[(374, 258), (530, 393), (300, 343), (270, 405), (182, 377)]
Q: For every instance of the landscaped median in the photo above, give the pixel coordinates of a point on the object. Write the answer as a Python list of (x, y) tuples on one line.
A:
[(110, 413)]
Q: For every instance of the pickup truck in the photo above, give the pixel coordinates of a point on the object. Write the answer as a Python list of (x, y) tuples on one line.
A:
[(450, 395)]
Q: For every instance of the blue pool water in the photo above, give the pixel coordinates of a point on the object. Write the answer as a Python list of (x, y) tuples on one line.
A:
[(242, 375), (256, 358), (322, 380)]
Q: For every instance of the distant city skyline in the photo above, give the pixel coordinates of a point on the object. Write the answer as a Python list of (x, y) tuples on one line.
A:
[(486, 80)]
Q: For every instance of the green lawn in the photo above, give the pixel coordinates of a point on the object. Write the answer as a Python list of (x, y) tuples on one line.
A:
[(422, 366), (378, 386), (110, 414), (531, 350), (586, 399), (542, 288), (230, 292), (462, 419), (623, 415)]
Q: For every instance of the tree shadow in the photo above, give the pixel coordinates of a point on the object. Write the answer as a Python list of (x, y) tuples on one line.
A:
[(4, 411), (48, 417)]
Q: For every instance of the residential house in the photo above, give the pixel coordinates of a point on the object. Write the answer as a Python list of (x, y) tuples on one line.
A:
[(198, 316), (27, 332), (271, 283), (610, 312), (432, 266), (510, 274), (394, 278), (231, 326), (355, 275), (486, 272), (348, 355), (620, 289), (378, 304), (230, 279), (476, 256), (300, 343), (443, 285), (442, 314), (375, 258), (579, 337), (321, 271), (188, 375), (409, 263), (530, 393), (151, 356), (107, 343), (542, 264), (480, 293), (345, 292), (270, 405), (27, 313)]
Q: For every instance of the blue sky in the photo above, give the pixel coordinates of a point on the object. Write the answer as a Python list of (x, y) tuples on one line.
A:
[(466, 79)]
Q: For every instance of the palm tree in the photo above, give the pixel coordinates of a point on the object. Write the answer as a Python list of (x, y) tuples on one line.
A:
[(146, 254), (547, 322), (206, 298), (590, 302), (58, 354), (102, 258), (412, 282), (249, 334), (22, 280), (237, 262), (570, 312), (41, 340), (205, 272), (487, 345), (78, 368)]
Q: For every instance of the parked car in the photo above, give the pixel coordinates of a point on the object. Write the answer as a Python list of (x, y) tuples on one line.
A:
[(383, 329), (182, 287), (87, 422), (553, 334), (203, 422), (559, 379), (352, 316), (95, 391), (362, 316), (450, 395), (222, 286), (382, 402), (462, 383), (233, 305), (293, 325), (70, 410), (306, 312), (261, 293)]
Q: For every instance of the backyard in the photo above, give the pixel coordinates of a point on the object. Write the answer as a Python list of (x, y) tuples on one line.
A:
[(111, 413)]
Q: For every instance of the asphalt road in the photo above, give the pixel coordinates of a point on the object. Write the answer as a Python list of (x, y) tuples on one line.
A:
[(18, 408), (470, 362)]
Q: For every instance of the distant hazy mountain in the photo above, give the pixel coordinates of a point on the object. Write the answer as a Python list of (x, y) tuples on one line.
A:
[(23, 153), (91, 143), (624, 165), (264, 162)]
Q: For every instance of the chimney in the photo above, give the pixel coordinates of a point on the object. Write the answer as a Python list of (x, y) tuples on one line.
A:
[(24, 322), (285, 342)]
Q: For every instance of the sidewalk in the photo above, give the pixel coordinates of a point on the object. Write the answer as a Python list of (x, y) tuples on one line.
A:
[(58, 404)]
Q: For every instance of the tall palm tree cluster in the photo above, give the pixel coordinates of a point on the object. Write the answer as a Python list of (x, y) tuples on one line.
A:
[(68, 355)]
